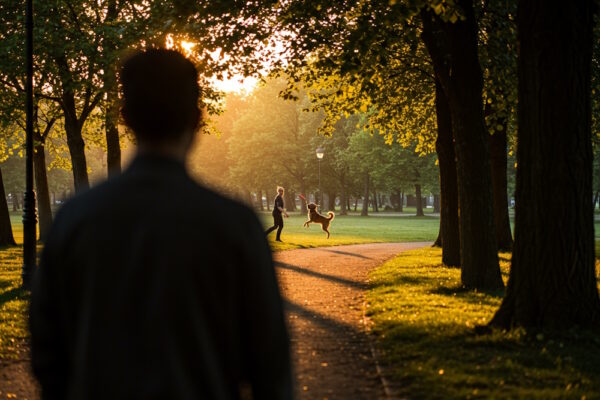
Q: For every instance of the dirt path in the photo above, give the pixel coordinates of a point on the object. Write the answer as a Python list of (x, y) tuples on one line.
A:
[(324, 292)]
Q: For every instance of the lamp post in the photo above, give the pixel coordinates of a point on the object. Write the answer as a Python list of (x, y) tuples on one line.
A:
[(29, 214), (320, 154)]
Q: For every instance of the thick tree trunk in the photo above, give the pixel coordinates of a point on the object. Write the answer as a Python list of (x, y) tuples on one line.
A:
[(419, 199), (444, 146), (288, 199), (41, 186), (6, 234), (365, 208), (77, 152), (463, 88), (498, 158), (552, 281)]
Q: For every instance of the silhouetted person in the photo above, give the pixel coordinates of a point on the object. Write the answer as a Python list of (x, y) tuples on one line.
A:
[(278, 213), (150, 286)]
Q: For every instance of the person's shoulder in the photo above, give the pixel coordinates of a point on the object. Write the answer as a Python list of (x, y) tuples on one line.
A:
[(220, 202)]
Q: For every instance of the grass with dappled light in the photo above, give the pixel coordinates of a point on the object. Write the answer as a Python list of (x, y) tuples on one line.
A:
[(13, 305), (424, 323), (352, 229)]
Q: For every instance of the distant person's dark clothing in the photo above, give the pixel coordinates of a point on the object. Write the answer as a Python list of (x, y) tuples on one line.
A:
[(277, 217), (152, 287)]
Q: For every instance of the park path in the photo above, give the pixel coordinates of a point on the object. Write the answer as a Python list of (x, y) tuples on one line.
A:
[(324, 292)]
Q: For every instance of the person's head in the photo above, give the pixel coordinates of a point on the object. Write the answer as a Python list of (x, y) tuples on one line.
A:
[(280, 190), (160, 100)]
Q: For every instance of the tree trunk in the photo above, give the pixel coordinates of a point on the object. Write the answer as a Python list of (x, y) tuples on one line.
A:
[(438, 241), (292, 206), (6, 234), (498, 158), (267, 198), (552, 281), (15, 202), (463, 88), (77, 152), (419, 200), (436, 203), (355, 203), (331, 203), (444, 146), (375, 205), (288, 199), (111, 121), (365, 208), (303, 208), (401, 201), (41, 186), (343, 202), (111, 117)]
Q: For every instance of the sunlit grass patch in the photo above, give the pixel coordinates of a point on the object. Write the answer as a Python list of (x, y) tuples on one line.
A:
[(353, 229), (13, 305), (424, 322)]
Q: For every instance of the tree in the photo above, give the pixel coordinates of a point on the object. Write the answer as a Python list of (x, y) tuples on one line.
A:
[(453, 47), (552, 282)]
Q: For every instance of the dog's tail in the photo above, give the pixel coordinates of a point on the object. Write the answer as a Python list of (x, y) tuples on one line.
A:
[(331, 215)]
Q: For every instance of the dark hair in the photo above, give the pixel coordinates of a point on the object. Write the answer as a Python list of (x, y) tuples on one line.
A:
[(160, 95)]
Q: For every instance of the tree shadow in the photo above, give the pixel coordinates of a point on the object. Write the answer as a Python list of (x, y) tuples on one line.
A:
[(319, 275), (466, 294), (16, 293), (346, 253)]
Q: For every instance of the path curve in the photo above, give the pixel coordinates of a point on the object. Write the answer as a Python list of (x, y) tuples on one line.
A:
[(324, 290)]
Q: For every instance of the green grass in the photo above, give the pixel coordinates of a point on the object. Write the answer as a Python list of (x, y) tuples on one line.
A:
[(352, 229), (13, 305), (424, 323)]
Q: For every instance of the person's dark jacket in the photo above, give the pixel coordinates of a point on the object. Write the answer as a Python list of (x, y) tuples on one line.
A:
[(152, 287)]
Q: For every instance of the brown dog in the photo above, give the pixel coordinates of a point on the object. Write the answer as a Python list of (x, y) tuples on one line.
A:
[(314, 216)]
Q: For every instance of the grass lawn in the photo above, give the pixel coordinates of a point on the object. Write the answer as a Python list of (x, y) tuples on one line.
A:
[(424, 322), (352, 229), (13, 305)]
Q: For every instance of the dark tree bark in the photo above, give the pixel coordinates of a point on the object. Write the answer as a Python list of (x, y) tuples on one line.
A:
[(552, 281), (267, 198), (343, 202), (444, 146), (419, 200), (436, 203), (453, 47), (293, 201), (365, 208), (41, 185), (6, 234), (331, 201), (375, 205), (111, 122), (111, 117), (498, 158), (77, 152)]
